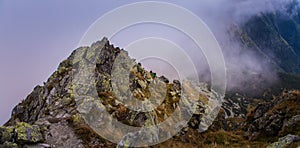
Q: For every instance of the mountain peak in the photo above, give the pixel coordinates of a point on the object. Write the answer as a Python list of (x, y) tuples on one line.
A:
[(65, 111)]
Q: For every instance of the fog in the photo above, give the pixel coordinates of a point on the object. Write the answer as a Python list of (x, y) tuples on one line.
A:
[(244, 66)]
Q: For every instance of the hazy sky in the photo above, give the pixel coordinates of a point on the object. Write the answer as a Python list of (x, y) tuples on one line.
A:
[(35, 36)]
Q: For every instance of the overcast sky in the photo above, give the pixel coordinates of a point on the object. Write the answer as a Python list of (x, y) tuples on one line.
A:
[(35, 36)]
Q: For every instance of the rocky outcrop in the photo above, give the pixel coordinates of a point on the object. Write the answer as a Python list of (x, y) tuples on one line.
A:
[(63, 111), (52, 107), (20, 134), (54, 115), (235, 105), (275, 118), (285, 141)]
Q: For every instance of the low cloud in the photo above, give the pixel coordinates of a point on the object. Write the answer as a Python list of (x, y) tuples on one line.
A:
[(247, 69)]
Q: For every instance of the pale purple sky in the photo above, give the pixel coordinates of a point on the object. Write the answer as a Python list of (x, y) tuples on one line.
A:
[(35, 36)]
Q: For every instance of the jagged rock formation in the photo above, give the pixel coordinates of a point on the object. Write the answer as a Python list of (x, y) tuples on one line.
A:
[(58, 114), (54, 108), (21, 133), (236, 105), (276, 118)]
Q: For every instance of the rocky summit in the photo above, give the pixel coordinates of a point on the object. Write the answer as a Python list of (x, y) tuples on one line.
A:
[(83, 102)]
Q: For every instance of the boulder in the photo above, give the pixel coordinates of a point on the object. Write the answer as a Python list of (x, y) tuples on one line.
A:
[(284, 141), (26, 133)]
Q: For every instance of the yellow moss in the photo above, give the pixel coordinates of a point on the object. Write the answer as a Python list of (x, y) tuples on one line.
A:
[(35, 135), (7, 132), (72, 95), (62, 70), (21, 129), (77, 119), (10, 145), (10, 129)]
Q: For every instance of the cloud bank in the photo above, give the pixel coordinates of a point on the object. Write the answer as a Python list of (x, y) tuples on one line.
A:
[(247, 69)]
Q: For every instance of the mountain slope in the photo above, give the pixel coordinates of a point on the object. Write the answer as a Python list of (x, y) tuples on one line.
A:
[(54, 115), (276, 35)]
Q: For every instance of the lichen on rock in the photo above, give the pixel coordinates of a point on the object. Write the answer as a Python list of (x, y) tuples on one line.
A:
[(26, 133), (63, 112)]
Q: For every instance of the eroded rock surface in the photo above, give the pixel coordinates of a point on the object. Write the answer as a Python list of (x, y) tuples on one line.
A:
[(60, 113)]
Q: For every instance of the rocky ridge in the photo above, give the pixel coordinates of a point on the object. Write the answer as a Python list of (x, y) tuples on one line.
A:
[(54, 115), (52, 109)]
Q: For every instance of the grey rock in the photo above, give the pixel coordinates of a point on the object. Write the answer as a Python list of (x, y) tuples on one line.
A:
[(284, 141), (291, 122), (26, 133), (61, 135)]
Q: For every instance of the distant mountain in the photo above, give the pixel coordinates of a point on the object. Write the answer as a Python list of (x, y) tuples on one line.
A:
[(276, 35)]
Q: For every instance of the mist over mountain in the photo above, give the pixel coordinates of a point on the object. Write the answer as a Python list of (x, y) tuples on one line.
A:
[(259, 39)]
